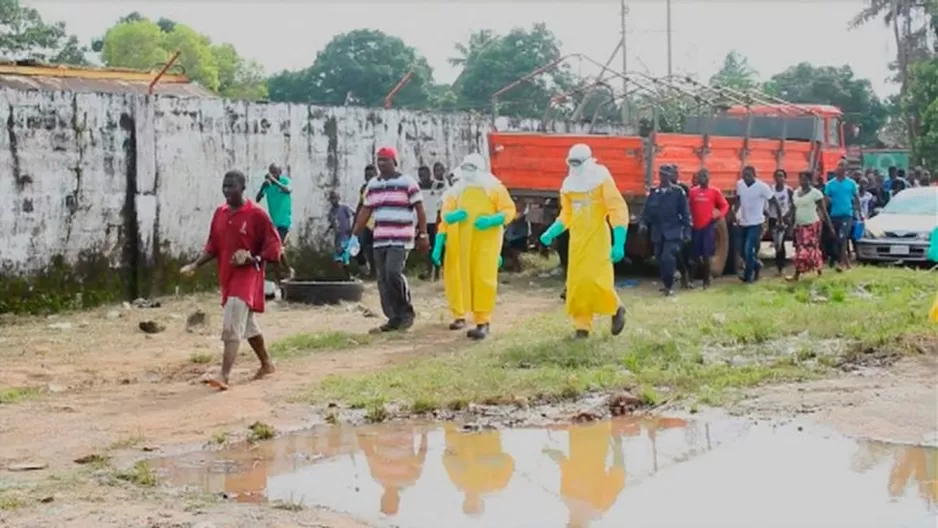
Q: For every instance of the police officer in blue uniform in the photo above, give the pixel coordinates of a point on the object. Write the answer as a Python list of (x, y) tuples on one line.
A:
[(667, 216)]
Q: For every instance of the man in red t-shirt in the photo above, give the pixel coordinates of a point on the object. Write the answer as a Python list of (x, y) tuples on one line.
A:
[(242, 238), (707, 206)]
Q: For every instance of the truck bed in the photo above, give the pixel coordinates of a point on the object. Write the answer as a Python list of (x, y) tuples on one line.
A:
[(532, 164)]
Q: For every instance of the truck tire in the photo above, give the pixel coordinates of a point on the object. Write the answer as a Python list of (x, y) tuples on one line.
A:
[(721, 257)]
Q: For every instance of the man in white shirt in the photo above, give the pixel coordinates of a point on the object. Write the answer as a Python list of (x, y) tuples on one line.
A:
[(751, 198), (432, 186)]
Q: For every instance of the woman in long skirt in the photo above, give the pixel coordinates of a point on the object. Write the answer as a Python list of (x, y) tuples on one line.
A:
[(810, 211)]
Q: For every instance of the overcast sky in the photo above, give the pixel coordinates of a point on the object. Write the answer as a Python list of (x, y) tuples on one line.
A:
[(287, 34)]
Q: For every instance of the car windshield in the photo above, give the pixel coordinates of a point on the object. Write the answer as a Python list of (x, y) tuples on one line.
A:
[(914, 203)]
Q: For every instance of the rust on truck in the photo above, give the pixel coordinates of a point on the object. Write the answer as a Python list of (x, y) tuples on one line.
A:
[(753, 129)]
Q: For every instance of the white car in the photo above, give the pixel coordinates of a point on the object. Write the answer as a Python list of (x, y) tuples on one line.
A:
[(902, 230)]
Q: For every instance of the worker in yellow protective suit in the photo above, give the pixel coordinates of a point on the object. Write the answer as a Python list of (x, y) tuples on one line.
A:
[(476, 465), (589, 204), (474, 213), (589, 489)]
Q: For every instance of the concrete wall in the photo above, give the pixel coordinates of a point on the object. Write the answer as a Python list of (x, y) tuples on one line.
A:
[(129, 182)]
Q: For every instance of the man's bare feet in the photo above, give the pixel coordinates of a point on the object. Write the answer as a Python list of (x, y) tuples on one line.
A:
[(264, 371), (218, 384)]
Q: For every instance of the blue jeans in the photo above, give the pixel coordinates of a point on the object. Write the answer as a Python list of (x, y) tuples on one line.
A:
[(751, 239)]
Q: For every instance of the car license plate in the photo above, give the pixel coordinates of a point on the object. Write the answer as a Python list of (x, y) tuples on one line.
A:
[(898, 250)]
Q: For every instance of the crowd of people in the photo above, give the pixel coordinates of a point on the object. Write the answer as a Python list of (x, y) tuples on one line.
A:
[(465, 220), (823, 216)]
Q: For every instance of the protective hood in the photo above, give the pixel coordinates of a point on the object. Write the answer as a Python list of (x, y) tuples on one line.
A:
[(584, 173), (472, 172)]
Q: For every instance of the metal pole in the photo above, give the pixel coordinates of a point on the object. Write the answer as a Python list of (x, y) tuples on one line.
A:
[(625, 64), (670, 72), (159, 75)]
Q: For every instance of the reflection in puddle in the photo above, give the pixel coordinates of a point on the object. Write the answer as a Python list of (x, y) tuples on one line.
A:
[(629, 472)]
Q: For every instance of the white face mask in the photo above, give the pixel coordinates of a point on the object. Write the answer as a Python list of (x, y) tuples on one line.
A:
[(470, 174)]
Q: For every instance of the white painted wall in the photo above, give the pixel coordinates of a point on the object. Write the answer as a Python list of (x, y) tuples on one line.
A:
[(183, 147)]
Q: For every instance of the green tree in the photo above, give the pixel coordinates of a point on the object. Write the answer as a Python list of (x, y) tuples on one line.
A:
[(238, 78), (361, 66), (196, 55), (805, 83), (23, 34), (139, 43), (922, 99), (735, 73), (507, 59), (910, 21), (442, 98), (467, 51)]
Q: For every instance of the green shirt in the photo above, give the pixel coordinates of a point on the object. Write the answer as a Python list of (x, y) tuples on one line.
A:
[(279, 203)]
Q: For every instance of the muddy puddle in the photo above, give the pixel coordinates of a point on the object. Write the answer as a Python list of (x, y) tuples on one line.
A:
[(626, 472)]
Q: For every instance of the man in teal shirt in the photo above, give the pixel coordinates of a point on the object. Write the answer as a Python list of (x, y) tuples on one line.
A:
[(843, 195), (276, 188)]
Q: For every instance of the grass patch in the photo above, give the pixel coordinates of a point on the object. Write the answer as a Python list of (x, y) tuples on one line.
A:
[(304, 344), (259, 431), (289, 505), (17, 394), (667, 344), (10, 502), (220, 438), (127, 442), (140, 474), (201, 358)]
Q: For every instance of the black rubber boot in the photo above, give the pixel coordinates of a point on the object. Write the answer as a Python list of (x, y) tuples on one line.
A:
[(458, 324), (581, 334), (618, 321), (479, 332)]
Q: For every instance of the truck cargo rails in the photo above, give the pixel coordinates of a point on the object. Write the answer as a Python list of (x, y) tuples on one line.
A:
[(793, 137)]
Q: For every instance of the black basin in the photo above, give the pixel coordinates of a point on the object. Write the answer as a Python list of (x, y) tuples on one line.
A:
[(318, 293)]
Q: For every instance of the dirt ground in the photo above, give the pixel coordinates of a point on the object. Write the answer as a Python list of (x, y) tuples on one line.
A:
[(108, 387)]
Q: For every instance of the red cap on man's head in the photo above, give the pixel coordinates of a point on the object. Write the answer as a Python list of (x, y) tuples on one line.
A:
[(388, 152)]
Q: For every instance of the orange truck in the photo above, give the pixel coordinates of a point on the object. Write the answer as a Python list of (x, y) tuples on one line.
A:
[(771, 136)]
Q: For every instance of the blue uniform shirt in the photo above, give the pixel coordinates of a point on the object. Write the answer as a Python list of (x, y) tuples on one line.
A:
[(667, 214)]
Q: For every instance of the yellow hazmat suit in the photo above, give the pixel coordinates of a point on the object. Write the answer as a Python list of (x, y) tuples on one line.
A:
[(476, 465), (587, 487), (474, 213), (589, 205)]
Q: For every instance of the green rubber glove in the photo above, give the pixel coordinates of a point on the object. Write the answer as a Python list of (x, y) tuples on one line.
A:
[(555, 229), (619, 235), (454, 217), (500, 262), (484, 222), (438, 243), (933, 246)]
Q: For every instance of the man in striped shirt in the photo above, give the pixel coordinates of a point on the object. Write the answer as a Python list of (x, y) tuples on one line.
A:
[(393, 200)]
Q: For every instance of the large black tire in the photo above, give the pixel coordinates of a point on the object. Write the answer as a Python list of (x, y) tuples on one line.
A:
[(721, 257), (318, 293)]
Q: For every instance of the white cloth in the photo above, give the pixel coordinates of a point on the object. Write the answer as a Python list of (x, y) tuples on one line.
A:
[(783, 199), (585, 176), (433, 199), (472, 172), (752, 201)]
